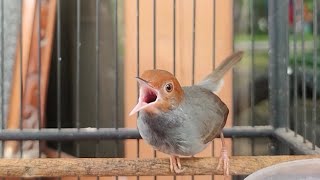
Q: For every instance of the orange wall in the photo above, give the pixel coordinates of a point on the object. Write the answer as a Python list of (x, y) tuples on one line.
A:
[(204, 60)]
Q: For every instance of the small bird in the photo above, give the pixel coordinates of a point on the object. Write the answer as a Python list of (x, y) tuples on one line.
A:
[(182, 121)]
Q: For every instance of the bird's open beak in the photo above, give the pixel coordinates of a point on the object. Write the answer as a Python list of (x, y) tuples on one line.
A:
[(148, 96)]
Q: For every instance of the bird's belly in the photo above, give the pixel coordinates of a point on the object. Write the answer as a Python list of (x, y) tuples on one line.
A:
[(167, 139)]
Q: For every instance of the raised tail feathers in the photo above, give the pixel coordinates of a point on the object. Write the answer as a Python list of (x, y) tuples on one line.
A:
[(213, 81)]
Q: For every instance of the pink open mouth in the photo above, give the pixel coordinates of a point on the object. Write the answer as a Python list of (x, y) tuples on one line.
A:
[(148, 96)]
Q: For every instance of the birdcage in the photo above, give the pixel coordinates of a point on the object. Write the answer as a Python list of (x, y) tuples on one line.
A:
[(67, 83)]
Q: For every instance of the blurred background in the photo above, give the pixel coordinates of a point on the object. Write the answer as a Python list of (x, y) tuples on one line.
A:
[(71, 64)]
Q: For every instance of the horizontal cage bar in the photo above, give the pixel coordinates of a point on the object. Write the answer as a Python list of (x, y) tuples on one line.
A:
[(68, 134)]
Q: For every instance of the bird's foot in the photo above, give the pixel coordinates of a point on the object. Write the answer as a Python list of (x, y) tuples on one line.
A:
[(224, 159), (175, 165)]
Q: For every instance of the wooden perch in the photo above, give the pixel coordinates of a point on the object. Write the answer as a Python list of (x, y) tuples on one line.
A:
[(53, 167)]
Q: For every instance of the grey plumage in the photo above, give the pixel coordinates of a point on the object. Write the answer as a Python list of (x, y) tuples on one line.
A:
[(185, 131)]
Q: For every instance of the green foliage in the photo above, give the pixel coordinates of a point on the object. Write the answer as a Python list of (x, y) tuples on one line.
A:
[(308, 56)]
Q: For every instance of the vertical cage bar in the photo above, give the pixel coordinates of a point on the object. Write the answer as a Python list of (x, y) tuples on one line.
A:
[(138, 44), (174, 44), (154, 34), (97, 74), (2, 74), (39, 68), (116, 122), (117, 78), (277, 20), (59, 61), (116, 59), (303, 75), (138, 65), (193, 39), (315, 72), (252, 92), (214, 34), (213, 56), (252, 54), (287, 93), (39, 64), (174, 37), (295, 88), (21, 75), (154, 50), (97, 62), (78, 75), (193, 45)]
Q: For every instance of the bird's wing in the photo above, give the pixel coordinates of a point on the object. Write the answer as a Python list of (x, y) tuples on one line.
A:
[(216, 122), (213, 81), (204, 113)]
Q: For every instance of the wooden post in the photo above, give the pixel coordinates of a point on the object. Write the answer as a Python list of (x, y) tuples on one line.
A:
[(22, 56)]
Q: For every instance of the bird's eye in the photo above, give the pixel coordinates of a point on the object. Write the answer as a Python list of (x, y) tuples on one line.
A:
[(169, 87)]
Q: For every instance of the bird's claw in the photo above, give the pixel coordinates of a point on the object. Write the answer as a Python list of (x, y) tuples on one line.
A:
[(175, 165), (177, 170), (224, 159)]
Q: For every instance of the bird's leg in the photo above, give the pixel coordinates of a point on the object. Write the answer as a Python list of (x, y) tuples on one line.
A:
[(224, 157), (171, 163), (175, 165), (178, 162)]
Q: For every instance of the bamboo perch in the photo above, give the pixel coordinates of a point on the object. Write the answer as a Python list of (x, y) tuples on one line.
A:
[(53, 167)]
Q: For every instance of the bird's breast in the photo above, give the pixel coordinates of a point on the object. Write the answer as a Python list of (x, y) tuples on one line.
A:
[(155, 128), (168, 133)]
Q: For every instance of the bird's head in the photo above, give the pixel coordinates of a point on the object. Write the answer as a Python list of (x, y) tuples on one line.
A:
[(159, 92)]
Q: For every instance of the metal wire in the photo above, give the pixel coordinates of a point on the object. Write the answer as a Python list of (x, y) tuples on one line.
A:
[(39, 64), (117, 75), (154, 51), (97, 63), (117, 64), (304, 77), (214, 34), (252, 54), (193, 39), (213, 56), (174, 37), (287, 93), (315, 73), (2, 74), (78, 75), (174, 45), (193, 45), (97, 74), (59, 61), (138, 44), (39, 69), (138, 64), (21, 75), (154, 34), (117, 78), (295, 68)]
